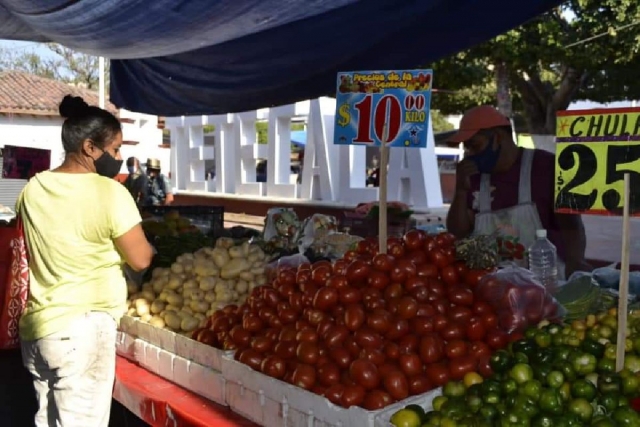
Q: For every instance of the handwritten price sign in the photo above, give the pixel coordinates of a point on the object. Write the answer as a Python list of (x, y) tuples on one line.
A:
[(594, 149), (389, 106)]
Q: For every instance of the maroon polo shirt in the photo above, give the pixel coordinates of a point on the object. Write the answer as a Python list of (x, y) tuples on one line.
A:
[(505, 194)]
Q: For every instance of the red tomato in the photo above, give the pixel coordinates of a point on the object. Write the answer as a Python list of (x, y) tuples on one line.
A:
[(431, 348), (364, 373), (376, 399), (334, 393), (460, 295), (479, 349), (462, 365), (391, 350), (273, 366), (436, 287), (340, 356), (378, 280), (326, 298), (453, 331), (414, 239), (427, 270), (349, 256), (481, 308), (393, 291), (349, 295), (367, 338), (399, 328), (383, 262), (396, 384), (426, 309), (438, 258), (440, 322), (410, 364), (475, 329), (353, 395), (307, 353), (408, 344), (421, 325), (461, 269), (414, 282), (407, 307), (437, 373), (416, 257), (357, 272), (490, 320), (455, 349), (460, 314), (354, 317), (395, 249), (373, 355), (484, 367), (496, 339), (419, 384), (379, 321), (449, 275)]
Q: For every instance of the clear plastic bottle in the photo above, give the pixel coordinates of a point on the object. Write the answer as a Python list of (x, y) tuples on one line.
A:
[(543, 261)]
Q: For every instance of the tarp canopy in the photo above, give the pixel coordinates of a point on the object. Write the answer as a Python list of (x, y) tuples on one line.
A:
[(188, 57)]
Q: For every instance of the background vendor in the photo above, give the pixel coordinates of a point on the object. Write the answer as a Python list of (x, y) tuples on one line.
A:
[(501, 187), (158, 187)]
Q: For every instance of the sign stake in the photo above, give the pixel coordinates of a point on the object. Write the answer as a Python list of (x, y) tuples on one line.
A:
[(624, 278)]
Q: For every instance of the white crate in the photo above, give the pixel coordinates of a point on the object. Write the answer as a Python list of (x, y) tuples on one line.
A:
[(178, 344), (270, 402), (192, 376), (125, 345)]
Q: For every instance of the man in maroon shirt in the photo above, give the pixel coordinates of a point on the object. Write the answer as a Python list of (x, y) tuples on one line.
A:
[(501, 187)]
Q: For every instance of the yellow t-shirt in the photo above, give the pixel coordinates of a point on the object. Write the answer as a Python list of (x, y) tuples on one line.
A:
[(70, 222)]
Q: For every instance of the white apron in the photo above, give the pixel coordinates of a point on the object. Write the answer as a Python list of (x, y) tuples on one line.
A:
[(517, 224)]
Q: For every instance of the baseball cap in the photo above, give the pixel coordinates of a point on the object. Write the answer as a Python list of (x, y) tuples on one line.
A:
[(475, 120)]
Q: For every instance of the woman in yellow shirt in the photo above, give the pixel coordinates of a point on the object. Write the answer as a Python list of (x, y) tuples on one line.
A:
[(81, 226)]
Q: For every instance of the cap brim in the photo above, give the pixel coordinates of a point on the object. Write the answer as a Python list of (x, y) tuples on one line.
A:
[(460, 136)]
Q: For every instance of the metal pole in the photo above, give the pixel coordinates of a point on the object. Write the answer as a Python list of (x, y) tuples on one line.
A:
[(101, 82)]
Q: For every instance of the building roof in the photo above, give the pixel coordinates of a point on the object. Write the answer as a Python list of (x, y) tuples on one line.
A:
[(24, 93)]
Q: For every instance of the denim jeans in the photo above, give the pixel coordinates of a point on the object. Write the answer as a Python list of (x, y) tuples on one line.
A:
[(73, 372)]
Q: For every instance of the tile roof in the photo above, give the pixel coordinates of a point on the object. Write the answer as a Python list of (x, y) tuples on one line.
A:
[(24, 93)]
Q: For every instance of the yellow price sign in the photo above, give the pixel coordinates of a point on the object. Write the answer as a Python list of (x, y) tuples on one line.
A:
[(594, 150)]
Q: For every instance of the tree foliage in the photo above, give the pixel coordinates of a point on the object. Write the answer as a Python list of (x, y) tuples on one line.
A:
[(62, 64), (584, 49)]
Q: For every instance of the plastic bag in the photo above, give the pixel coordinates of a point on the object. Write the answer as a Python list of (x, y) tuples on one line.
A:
[(520, 301), (286, 262), (314, 230)]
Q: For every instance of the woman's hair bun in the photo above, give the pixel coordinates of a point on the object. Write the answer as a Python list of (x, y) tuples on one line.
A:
[(72, 107)]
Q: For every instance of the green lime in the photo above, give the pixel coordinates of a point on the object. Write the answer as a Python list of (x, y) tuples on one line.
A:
[(405, 418)]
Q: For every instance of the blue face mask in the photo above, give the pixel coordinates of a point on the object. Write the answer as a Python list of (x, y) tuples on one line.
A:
[(131, 169), (487, 159)]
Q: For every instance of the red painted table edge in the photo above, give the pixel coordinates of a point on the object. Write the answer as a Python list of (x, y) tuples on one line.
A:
[(159, 402)]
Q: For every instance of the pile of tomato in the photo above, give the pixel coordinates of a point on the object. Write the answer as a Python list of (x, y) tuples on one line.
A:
[(370, 329)]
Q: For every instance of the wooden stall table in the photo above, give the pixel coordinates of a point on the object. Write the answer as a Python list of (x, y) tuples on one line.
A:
[(159, 402)]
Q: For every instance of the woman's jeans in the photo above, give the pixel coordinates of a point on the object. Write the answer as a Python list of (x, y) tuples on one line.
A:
[(73, 372)]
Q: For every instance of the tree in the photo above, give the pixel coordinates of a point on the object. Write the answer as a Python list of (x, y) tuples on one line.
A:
[(585, 49), (63, 64)]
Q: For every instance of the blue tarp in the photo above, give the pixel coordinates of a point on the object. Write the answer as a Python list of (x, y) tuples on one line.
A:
[(186, 57)]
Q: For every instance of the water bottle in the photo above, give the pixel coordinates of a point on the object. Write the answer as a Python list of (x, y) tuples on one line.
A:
[(543, 261)]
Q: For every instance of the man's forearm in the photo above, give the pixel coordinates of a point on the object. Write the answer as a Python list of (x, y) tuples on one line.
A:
[(458, 219)]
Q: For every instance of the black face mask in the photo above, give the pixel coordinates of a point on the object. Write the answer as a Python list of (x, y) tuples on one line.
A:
[(107, 166)]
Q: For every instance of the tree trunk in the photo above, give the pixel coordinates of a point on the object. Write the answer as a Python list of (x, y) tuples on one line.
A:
[(503, 90)]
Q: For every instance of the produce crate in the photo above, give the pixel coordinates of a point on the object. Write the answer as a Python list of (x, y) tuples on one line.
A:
[(177, 344), (210, 219), (365, 226), (271, 402), (199, 379)]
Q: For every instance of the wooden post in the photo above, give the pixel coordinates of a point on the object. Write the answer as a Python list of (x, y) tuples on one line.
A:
[(382, 189), (624, 278)]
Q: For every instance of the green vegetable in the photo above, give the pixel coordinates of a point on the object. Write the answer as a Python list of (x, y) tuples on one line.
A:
[(584, 363), (521, 373), (583, 389), (581, 408), (593, 347), (500, 361), (632, 363), (550, 402)]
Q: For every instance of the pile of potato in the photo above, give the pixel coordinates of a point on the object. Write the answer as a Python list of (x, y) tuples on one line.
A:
[(182, 297)]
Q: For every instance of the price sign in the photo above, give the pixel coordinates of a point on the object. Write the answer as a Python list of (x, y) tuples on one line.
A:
[(389, 106), (594, 149)]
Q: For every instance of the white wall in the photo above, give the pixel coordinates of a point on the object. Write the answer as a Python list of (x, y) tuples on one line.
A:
[(44, 132)]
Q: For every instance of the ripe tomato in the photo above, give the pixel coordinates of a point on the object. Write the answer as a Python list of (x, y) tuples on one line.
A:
[(431, 348), (440, 322), (364, 373), (455, 349), (409, 344), (461, 269), (307, 353), (427, 270), (367, 338), (407, 307), (460, 295), (357, 272), (396, 384), (353, 395), (453, 331), (475, 329), (484, 367), (334, 393), (340, 356), (416, 257), (449, 275), (496, 339), (460, 314), (379, 320), (399, 328), (374, 355), (376, 399), (490, 320), (460, 366), (414, 239), (395, 249), (438, 374), (392, 350), (419, 384), (436, 287), (378, 280), (273, 366), (473, 277), (479, 349), (383, 262), (439, 258), (421, 325), (354, 317), (410, 364)]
